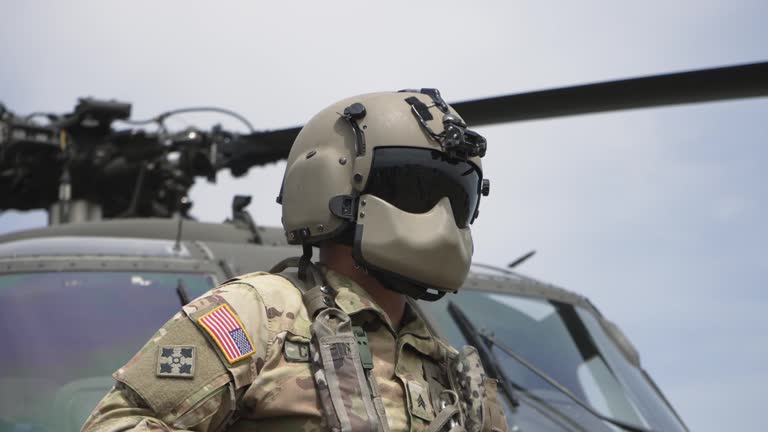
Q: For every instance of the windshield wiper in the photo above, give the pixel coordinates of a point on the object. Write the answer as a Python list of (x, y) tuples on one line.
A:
[(181, 291), (486, 356), (484, 342), (493, 370)]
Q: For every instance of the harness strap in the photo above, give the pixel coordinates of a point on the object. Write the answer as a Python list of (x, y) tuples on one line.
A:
[(378, 403), (339, 374), (341, 360)]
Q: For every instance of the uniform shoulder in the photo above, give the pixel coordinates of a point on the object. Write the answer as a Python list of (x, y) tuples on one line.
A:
[(254, 297), (273, 289), (176, 369), (191, 358), (286, 305), (265, 303)]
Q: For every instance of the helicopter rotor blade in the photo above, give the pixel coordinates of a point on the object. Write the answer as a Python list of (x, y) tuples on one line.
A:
[(706, 85), (260, 148)]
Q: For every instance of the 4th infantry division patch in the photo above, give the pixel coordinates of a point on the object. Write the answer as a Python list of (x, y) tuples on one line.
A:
[(176, 361), (227, 331)]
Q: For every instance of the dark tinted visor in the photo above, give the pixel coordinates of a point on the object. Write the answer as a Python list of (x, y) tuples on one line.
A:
[(415, 180)]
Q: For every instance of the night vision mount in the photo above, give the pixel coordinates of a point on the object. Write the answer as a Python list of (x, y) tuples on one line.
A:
[(456, 140), (63, 161)]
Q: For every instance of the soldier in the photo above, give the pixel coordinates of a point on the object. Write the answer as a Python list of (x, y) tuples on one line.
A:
[(386, 186)]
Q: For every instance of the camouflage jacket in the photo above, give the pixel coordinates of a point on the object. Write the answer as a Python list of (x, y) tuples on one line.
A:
[(185, 378)]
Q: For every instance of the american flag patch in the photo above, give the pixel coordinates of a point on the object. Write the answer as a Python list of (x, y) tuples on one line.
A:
[(228, 333)]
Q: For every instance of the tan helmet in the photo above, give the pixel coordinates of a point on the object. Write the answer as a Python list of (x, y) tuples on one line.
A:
[(402, 172)]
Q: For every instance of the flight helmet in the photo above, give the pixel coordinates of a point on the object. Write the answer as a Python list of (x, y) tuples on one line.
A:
[(398, 176)]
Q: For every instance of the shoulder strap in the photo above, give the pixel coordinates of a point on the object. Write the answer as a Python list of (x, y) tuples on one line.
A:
[(316, 293), (340, 357)]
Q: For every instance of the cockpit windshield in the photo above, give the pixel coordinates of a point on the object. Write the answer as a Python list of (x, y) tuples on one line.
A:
[(569, 344), (64, 333)]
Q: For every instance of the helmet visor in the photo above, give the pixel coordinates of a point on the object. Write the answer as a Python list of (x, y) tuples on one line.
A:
[(416, 179)]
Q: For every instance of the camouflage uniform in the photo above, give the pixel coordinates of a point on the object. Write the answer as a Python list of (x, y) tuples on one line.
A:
[(272, 389)]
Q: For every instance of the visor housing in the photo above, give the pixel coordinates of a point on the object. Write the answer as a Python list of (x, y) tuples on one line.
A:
[(416, 179)]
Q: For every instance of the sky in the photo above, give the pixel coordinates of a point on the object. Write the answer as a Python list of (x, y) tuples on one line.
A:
[(657, 215)]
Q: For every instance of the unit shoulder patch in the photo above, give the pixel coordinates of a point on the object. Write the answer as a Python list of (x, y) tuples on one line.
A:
[(227, 331), (176, 361)]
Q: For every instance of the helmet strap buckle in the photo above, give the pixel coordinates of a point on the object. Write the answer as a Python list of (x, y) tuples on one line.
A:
[(305, 262)]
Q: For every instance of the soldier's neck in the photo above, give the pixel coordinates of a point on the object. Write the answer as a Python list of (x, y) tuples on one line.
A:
[(338, 258)]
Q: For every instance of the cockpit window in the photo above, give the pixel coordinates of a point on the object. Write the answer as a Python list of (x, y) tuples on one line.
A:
[(64, 333), (567, 343)]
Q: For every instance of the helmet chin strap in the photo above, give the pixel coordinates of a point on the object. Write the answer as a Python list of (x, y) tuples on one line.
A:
[(387, 279), (397, 284)]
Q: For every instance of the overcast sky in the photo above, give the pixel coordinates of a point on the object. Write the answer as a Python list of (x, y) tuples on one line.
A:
[(657, 215)]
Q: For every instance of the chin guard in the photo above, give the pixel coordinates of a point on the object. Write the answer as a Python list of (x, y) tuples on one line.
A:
[(418, 251)]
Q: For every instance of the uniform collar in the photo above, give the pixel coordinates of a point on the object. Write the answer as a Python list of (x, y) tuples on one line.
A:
[(353, 299)]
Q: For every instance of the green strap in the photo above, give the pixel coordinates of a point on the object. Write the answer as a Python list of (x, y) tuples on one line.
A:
[(366, 358)]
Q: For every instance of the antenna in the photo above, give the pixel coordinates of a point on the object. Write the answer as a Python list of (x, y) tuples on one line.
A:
[(241, 217), (521, 260), (65, 195), (177, 245), (184, 204)]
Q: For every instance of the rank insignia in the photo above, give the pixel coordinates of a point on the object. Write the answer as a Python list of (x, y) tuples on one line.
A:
[(419, 398), (177, 361), (227, 331)]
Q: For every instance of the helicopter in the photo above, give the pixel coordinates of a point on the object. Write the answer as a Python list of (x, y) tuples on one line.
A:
[(120, 239)]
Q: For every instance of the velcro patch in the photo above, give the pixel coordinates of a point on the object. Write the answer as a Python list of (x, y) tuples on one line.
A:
[(227, 331), (176, 361), (296, 351)]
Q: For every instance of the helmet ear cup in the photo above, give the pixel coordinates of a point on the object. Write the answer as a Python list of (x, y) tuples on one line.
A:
[(307, 185)]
